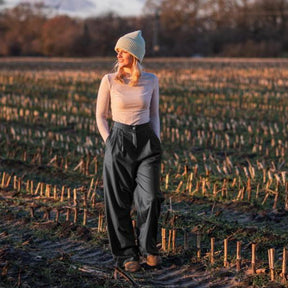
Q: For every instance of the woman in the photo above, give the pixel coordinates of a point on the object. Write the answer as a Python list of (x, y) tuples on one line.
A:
[(131, 170)]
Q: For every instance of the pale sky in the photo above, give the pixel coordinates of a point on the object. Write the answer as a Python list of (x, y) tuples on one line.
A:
[(120, 7)]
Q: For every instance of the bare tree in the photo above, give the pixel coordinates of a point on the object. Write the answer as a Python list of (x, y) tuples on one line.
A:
[(176, 28), (20, 30), (61, 36), (151, 6)]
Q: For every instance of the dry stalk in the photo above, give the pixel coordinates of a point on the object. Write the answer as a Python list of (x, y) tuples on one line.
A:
[(212, 260), (284, 265), (75, 196), (253, 260), (226, 264), (48, 190), (75, 214), (238, 256), (169, 240), (55, 196), (15, 182), (163, 234), (85, 212), (100, 223), (57, 215), (37, 188), (90, 187), (62, 193), (67, 213), (271, 253), (248, 189), (174, 240), (167, 181), (198, 245), (179, 186), (286, 196), (68, 194), (42, 189)]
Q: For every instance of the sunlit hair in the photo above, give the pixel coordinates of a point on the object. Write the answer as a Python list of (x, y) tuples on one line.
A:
[(136, 71)]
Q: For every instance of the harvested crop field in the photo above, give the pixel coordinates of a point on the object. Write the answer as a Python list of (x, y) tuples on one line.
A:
[(224, 175)]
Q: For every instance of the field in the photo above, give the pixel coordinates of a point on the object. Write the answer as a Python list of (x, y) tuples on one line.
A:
[(224, 137)]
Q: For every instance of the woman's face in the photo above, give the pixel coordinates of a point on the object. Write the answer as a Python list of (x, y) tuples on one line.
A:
[(125, 59)]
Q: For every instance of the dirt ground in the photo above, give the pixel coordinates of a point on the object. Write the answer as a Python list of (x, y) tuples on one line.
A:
[(41, 253), (208, 107)]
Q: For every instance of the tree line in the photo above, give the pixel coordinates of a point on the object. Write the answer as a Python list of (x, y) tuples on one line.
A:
[(172, 28)]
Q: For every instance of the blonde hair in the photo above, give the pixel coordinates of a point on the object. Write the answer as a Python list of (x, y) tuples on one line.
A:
[(136, 71)]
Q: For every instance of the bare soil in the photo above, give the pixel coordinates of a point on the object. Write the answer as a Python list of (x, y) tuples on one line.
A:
[(40, 253)]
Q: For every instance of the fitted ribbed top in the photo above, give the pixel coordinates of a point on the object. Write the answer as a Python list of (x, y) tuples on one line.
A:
[(131, 105)]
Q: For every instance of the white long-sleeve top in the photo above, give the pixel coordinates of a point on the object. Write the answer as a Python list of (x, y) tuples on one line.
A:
[(131, 105)]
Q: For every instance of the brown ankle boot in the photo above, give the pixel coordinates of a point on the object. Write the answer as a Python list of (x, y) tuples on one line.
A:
[(132, 266), (153, 260)]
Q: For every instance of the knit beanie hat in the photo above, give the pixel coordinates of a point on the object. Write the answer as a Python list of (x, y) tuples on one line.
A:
[(133, 43)]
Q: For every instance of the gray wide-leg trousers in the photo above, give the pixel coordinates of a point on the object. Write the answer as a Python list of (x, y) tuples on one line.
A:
[(131, 172)]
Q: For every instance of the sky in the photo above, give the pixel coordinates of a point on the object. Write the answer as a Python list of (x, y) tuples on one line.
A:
[(86, 8)]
